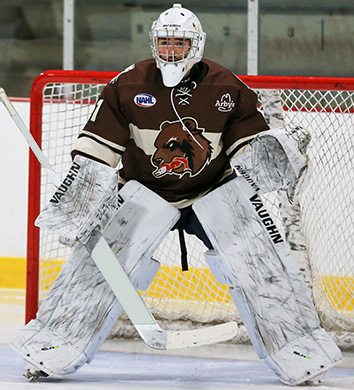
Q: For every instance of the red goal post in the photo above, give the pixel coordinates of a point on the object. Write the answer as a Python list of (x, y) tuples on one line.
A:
[(315, 102)]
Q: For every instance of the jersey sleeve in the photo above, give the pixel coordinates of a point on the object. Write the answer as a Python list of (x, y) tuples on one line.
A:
[(244, 124), (106, 134)]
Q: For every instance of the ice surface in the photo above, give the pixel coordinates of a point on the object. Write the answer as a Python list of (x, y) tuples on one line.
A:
[(118, 370), (132, 365)]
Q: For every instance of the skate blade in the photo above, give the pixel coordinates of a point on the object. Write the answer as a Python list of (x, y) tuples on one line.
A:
[(33, 374)]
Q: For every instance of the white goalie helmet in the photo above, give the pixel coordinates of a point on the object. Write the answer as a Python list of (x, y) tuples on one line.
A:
[(177, 43)]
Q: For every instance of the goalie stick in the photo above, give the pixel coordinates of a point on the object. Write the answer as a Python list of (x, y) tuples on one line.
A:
[(143, 320), (29, 138)]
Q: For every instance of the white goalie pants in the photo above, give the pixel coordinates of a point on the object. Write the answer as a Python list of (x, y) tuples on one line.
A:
[(265, 283)]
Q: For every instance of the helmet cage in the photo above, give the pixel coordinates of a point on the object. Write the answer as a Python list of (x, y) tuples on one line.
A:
[(166, 53)]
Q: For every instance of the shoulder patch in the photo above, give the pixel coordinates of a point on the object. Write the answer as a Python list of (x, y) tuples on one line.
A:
[(225, 104), (144, 100)]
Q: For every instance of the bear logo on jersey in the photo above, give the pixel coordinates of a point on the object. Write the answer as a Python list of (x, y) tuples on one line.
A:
[(181, 148)]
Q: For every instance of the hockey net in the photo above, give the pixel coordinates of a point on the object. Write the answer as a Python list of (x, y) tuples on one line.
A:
[(61, 102)]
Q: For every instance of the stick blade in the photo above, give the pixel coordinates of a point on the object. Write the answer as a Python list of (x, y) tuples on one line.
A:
[(204, 336)]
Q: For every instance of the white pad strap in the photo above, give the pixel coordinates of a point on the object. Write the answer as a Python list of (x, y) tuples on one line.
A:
[(266, 285)]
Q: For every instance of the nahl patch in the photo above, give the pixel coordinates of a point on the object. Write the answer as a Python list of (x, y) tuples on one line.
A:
[(70, 177), (144, 100), (266, 219)]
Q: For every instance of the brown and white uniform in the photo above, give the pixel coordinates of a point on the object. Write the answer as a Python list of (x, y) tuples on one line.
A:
[(176, 141)]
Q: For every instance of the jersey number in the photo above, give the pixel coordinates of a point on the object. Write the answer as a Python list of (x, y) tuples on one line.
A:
[(96, 110)]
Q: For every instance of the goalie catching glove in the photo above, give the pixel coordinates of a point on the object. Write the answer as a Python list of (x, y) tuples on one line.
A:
[(86, 200), (277, 160)]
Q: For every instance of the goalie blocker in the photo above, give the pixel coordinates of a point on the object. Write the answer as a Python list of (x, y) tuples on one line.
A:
[(252, 258)]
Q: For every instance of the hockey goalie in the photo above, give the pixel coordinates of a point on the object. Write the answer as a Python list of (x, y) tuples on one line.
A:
[(174, 123)]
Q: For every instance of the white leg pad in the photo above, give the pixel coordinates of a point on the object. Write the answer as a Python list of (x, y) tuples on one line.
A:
[(81, 309), (70, 327), (265, 283)]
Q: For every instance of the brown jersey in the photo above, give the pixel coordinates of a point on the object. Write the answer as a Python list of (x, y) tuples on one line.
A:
[(176, 141)]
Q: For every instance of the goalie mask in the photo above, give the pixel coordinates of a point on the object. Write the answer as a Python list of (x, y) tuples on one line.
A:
[(177, 43)]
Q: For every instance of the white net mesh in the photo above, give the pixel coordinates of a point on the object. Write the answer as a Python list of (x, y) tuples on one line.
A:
[(327, 210)]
